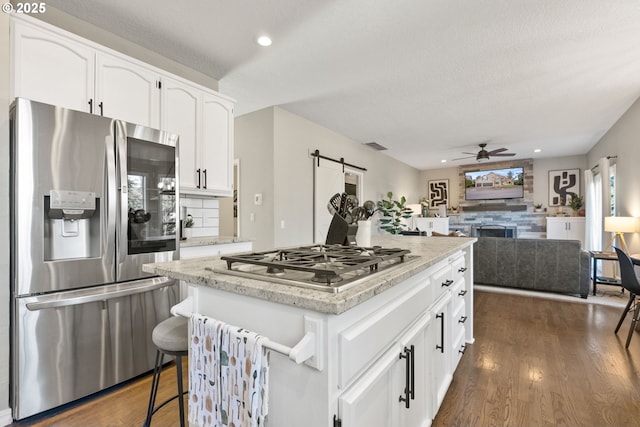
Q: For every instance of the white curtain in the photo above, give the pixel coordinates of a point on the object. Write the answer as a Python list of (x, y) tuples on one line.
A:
[(593, 235)]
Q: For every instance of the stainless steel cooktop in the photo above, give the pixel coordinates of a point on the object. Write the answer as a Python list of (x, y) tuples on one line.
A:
[(330, 268)]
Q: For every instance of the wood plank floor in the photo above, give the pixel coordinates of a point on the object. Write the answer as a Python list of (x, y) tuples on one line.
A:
[(120, 406), (535, 362), (540, 362)]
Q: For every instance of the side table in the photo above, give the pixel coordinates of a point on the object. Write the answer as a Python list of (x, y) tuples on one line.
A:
[(603, 280)]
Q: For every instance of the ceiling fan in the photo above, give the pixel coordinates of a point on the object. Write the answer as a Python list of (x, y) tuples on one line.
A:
[(484, 155)]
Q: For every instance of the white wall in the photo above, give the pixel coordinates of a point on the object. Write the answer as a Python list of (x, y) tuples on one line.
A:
[(622, 141), (253, 147), (5, 412), (273, 147)]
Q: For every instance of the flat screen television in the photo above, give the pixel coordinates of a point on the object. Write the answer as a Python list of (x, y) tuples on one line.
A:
[(492, 184)]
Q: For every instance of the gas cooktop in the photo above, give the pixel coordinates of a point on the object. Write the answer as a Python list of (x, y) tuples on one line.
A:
[(330, 268)]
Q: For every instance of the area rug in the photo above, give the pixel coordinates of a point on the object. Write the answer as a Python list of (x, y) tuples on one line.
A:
[(605, 295)]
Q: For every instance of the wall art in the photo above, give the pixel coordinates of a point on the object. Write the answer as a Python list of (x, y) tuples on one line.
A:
[(438, 193), (563, 185)]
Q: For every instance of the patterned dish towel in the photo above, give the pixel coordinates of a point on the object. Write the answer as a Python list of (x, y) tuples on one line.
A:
[(228, 375)]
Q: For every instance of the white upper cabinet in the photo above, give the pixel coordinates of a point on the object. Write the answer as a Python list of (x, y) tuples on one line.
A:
[(56, 67), (217, 146), (127, 91), (204, 121), (59, 68), (180, 114), (51, 69)]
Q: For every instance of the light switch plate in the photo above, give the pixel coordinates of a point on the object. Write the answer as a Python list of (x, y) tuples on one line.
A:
[(257, 199)]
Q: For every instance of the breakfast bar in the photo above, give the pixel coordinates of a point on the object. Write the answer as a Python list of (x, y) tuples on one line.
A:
[(422, 305)]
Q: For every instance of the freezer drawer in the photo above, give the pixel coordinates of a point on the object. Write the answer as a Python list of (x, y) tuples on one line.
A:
[(71, 344)]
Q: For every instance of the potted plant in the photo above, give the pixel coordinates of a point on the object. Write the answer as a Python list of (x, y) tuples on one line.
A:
[(424, 204), (393, 212), (577, 204), (187, 226), (537, 207)]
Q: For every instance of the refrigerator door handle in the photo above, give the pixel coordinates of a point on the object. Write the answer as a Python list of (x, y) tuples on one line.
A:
[(101, 293)]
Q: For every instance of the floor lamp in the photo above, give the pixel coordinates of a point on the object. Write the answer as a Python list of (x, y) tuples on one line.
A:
[(620, 225)]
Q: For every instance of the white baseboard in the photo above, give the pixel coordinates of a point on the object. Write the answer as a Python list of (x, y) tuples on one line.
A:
[(5, 417)]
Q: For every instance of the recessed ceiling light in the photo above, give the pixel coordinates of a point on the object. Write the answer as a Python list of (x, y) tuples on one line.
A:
[(537, 150), (264, 41), (443, 161)]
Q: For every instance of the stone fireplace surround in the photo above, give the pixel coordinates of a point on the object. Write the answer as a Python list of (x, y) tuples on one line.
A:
[(516, 213)]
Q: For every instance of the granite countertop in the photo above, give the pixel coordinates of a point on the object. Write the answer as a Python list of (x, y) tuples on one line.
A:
[(211, 240), (429, 251)]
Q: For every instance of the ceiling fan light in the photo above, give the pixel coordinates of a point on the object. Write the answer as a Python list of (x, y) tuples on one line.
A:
[(482, 156)]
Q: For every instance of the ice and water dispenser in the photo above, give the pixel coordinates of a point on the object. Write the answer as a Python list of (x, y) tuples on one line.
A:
[(71, 225)]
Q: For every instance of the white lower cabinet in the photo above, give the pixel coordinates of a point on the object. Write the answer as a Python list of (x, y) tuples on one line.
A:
[(395, 390), (431, 224), (571, 228), (190, 252), (386, 362)]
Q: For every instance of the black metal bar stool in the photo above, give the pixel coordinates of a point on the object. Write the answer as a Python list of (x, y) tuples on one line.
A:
[(170, 337)]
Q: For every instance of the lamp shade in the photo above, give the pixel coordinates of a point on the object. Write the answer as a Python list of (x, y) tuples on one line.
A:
[(620, 224)]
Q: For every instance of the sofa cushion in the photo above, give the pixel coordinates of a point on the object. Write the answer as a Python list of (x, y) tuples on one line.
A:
[(540, 264)]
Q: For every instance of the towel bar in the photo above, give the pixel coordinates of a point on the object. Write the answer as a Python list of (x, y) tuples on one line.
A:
[(306, 350)]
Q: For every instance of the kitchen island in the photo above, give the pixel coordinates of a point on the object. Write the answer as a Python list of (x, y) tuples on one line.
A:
[(408, 324)]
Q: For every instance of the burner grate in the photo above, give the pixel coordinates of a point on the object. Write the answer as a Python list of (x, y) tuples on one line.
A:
[(328, 263)]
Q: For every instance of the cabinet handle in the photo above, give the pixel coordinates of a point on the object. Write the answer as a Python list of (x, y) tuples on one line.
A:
[(204, 172), (101, 112), (198, 171), (413, 373), (447, 283), (406, 354), (441, 346), (462, 319), (463, 348), (91, 106), (462, 293), (462, 269)]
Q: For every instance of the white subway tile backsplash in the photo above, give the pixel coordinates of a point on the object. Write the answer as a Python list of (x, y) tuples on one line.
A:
[(211, 203), (205, 232), (206, 216), (191, 203)]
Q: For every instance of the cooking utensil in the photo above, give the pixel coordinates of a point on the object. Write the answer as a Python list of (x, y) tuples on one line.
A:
[(369, 209), (334, 204), (343, 205)]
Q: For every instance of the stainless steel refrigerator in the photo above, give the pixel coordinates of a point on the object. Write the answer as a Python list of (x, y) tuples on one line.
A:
[(92, 199)]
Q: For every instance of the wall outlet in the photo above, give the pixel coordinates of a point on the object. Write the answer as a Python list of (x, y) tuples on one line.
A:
[(257, 199)]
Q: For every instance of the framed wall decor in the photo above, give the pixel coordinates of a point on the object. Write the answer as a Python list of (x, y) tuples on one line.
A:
[(438, 193), (563, 185)]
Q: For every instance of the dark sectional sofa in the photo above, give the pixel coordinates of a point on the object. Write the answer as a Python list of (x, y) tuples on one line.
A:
[(539, 264)]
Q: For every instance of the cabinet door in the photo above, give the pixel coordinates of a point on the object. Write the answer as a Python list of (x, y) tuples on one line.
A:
[(440, 349), (373, 401), (217, 144), (127, 91), (441, 225), (396, 390), (420, 411), (181, 115), (51, 68), (556, 228), (576, 229)]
